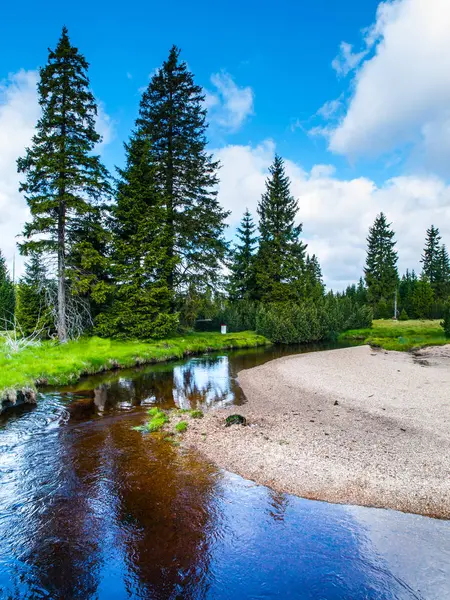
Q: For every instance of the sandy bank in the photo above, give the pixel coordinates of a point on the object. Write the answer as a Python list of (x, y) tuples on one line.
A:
[(351, 426)]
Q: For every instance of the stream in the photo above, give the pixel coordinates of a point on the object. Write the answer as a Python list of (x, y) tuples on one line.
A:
[(92, 509)]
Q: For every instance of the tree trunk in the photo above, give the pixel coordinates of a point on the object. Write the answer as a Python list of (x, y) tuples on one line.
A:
[(62, 316)]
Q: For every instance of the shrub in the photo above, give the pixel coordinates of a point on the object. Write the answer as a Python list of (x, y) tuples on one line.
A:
[(446, 322), (196, 414), (403, 316), (181, 426)]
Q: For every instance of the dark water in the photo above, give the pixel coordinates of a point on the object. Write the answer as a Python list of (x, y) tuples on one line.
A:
[(90, 509)]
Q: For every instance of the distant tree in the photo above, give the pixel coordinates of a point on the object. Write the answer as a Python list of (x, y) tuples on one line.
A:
[(172, 115), (33, 313), (280, 260), (65, 182), (445, 324), (141, 259), (361, 292), (403, 315), (406, 289), (314, 287), (381, 273), (442, 284), (7, 296), (423, 297), (242, 282), (431, 256)]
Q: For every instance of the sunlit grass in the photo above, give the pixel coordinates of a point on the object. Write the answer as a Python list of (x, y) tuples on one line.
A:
[(62, 364), (399, 335)]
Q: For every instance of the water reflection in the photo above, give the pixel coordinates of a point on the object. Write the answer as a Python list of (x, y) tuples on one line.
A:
[(91, 509)]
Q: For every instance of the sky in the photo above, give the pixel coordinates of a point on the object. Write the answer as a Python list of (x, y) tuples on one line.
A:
[(355, 96)]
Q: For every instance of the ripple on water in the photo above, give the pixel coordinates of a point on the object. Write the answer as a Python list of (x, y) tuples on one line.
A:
[(97, 510)]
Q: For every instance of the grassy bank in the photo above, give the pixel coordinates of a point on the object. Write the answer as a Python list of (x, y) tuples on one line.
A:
[(56, 364), (399, 335)]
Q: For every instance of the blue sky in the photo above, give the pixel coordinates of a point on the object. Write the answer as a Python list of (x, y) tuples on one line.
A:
[(353, 94)]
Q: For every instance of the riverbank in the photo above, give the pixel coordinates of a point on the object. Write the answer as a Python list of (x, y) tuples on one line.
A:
[(398, 335), (56, 364), (353, 426)]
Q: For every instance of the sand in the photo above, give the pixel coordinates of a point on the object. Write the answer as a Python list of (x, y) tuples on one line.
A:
[(353, 426)]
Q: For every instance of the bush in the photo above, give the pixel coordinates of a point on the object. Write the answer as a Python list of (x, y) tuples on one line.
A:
[(181, 426), (403, 316), (446, 322)]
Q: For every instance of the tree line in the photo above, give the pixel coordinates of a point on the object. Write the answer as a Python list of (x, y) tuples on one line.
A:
[(143, 253), (411, 296)]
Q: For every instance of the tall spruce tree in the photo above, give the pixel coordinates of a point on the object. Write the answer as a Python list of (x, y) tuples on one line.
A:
[(242, 282), (7, 296), (314, 287), (173, 117), (280, 260), (141, 259), (33, 314), (381, 273), (442, 286), (431, 256), (65, 182)]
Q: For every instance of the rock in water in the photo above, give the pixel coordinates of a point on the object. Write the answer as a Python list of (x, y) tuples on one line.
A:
[(235, 420)]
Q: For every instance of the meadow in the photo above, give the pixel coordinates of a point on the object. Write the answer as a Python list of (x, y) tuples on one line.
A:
[(398, 335), (60, 364)]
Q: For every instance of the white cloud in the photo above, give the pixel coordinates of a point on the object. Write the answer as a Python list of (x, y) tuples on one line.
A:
[(347, 60), (19, 112), (337, 213), (229, 105), (400, 93)]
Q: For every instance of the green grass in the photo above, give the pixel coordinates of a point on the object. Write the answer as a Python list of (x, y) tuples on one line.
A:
[(196, 414), (62, 364), (399, 335), (181, 426)]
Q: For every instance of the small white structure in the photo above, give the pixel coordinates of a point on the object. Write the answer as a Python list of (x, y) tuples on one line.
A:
[(223, 329)]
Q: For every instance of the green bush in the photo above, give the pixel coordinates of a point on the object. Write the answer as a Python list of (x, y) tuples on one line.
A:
[(181, 426), (403, 316), (446, 322)]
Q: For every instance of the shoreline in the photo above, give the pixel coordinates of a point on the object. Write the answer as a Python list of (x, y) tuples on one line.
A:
[(349, 426), (64, 364)]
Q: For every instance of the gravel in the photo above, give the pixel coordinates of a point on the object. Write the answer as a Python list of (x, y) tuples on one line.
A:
[(353, 426)]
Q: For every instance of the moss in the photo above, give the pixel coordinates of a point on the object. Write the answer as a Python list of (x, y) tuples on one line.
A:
[(181, 426), (196, 414), (62, 364)]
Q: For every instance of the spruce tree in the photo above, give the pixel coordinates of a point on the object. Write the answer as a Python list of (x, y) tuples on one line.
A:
[(141, 261), (7, 296), (381, 273), (33, 313), (65, 182), (422, 299), (280, 260), (314, 287), (431, 256), (442, 285), (173, 117), (242, 278)]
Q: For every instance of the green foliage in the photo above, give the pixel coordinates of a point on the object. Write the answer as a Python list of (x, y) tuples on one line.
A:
[(422, 300), (172, 117), (141, 305), (32, 312), (403, 316), (381, 265), (398, 335), (242, 280), (157, 422), (431, 256), (196, 414), (235, 420), (7, 296), (310, 321), (280, 260), (237, 316), (65, 183), (445, 324), (181, 427), (61, 364)]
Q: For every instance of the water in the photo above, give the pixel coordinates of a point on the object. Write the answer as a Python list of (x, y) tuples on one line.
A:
[(91, 509)]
